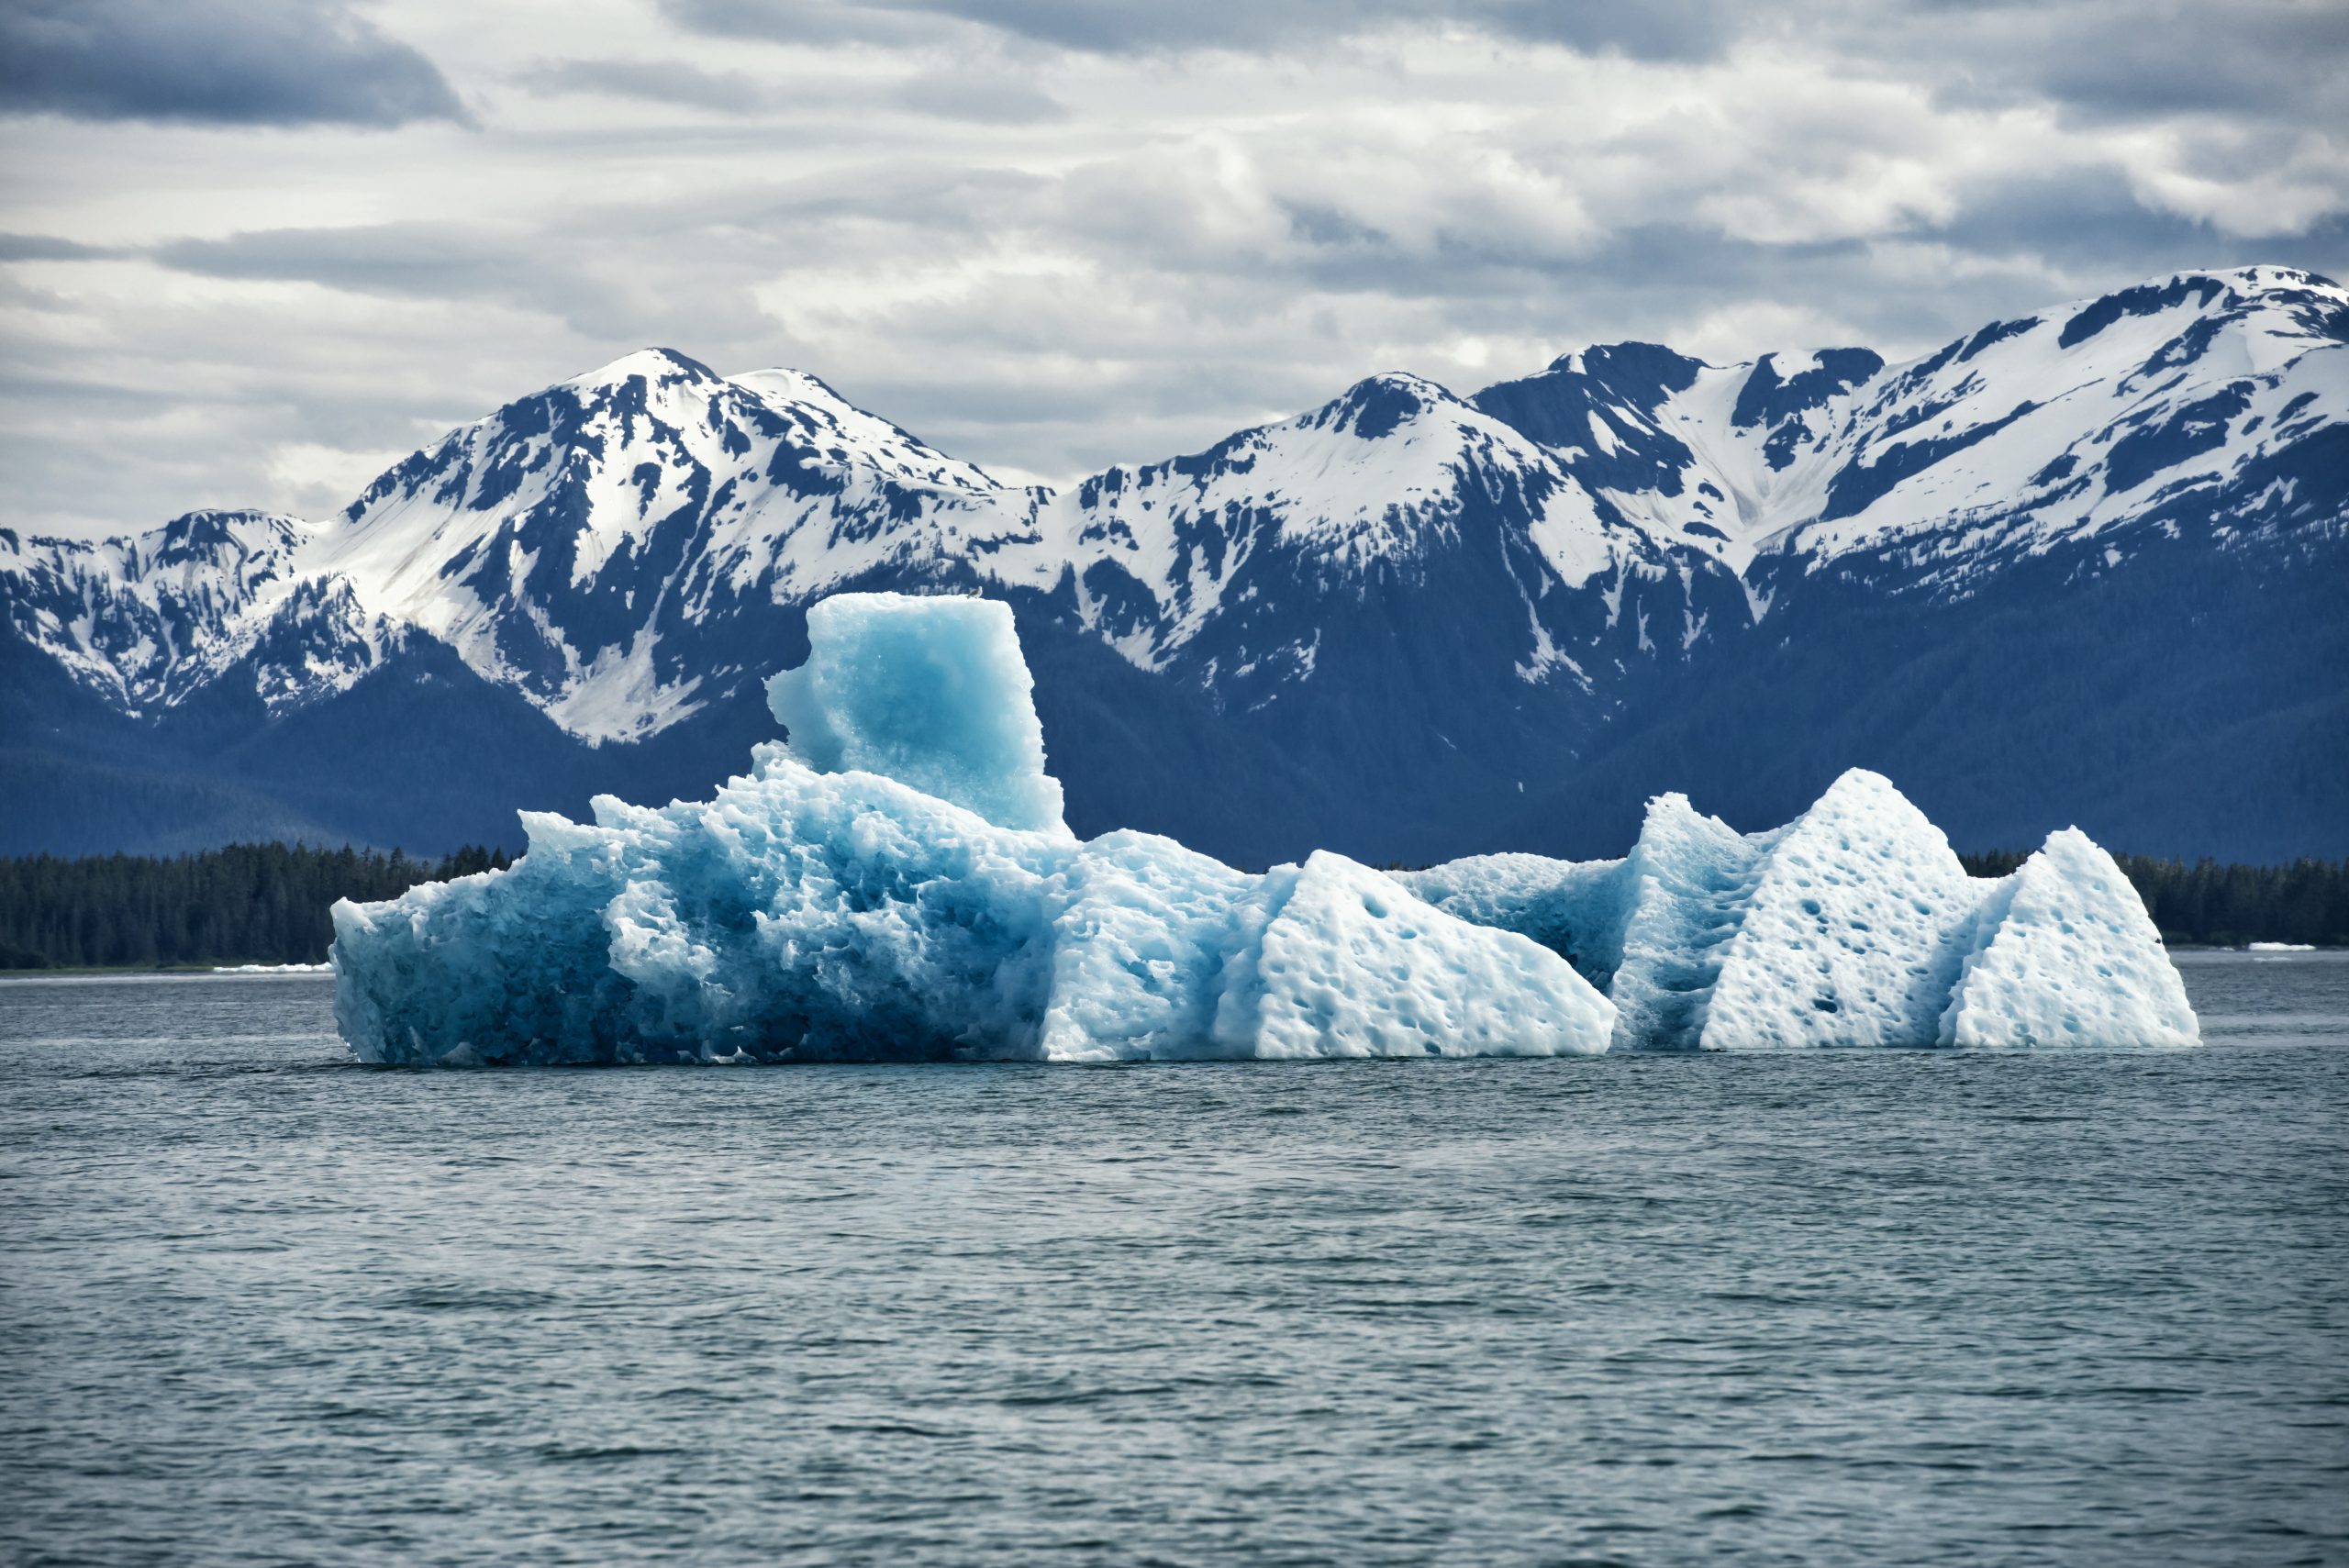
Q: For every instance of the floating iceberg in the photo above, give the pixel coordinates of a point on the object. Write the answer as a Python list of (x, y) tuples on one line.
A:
[(1855, 925), (897, 883), (2057, 955), (818, 908)]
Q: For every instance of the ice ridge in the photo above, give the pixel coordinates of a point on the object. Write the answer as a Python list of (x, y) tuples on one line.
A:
[(1855, 925), (895, 882)]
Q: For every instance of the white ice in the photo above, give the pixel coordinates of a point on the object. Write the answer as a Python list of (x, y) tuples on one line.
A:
[(1570, 906), (1140, 934), (1690, 879), (1853, 925), (1351, 962), (897, 883), (1850, 935), (2064, 954)]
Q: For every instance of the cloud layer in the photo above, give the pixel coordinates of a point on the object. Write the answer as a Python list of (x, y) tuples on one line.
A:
[(281, 63), (247, 259)]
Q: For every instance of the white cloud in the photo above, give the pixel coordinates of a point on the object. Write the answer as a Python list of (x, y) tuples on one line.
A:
[(1067, 240), (309, 480)]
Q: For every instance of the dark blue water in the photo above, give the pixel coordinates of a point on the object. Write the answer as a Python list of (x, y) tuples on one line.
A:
[(259, 1305)]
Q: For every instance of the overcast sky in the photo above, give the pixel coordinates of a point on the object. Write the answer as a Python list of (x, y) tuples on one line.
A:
[(254, 250)]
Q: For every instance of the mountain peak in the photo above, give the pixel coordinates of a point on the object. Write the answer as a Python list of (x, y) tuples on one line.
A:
[(2289, 302), (656, 365), (1642, 374), (2257, 278), (1377, 405)]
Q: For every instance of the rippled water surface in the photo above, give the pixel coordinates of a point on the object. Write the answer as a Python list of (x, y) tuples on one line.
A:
[(258, 1305)]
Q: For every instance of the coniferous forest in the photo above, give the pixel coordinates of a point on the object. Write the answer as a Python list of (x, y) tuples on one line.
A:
[(244, 903), (268, 903)]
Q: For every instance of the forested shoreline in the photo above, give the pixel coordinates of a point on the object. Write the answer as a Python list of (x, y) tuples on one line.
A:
[(2205, 904), (244, 903), (268, 903)]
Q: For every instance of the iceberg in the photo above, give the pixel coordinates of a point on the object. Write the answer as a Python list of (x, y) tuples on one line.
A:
[(2059, 955), (1853, 926), (894, 881)]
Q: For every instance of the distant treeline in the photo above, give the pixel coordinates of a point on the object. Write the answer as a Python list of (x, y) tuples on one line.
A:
[(267, 903), (245, 903), (2227, 906)]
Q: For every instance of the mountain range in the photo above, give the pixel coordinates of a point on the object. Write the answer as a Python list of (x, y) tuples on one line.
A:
[(2082, 566)]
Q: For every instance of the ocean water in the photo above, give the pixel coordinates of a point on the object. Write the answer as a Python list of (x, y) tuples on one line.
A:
[(261, 1306)]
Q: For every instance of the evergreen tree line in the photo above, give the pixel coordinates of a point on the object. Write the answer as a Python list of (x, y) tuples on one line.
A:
[(245, 904), (268, 903), (2227, 906)]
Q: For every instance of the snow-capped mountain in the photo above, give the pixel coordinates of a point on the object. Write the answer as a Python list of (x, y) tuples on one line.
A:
[(151, 620), (564, 545), (2089, 420), (1201, 564), (1404, 623)]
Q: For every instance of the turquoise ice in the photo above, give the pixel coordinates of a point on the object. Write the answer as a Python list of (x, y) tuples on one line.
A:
[(930, 692), (897, 883)]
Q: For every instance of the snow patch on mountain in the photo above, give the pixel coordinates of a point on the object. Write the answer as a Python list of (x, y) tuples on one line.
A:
[(2071, 424), (859, 438)]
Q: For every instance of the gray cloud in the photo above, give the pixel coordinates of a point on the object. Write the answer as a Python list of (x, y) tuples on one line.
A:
[(404, 261), (987, 98), (225, 62), (2107, 58), (1654, 29), (2131, 59), (805, 21), (653, 81), (50, 247)]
